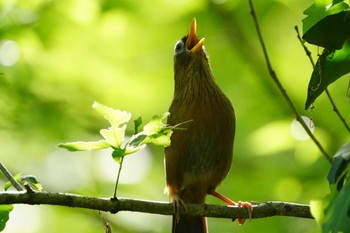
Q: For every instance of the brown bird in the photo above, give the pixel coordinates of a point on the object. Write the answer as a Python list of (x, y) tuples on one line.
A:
[(199, 157)]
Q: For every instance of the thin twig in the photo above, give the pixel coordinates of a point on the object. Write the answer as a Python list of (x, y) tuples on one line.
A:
[(282, 90), (307, 51), (260, 210), (335, 108), (10, 178), (108, 228)]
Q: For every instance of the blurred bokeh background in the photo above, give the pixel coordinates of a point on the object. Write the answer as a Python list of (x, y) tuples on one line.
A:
[(57, 57)]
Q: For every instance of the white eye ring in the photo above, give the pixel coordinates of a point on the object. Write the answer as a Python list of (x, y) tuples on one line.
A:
[(179, 47)]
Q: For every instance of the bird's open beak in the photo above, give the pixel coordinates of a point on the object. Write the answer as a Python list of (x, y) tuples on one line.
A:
[(192, 42)]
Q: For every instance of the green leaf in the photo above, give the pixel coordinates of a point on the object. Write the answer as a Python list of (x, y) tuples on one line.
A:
[(4, 215), (7, 185), (137, 124), (114, 136), (161, 138), (134, 149), (329, 67), (117, 154), (115, 117), (32, 180), (156, 124), (137, 140), (83, 146), (337, 218), (156, 131), (136, 143), (330, 32), (319, 10), (340, 166)]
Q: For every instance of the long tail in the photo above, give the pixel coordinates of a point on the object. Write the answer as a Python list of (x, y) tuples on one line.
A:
[(189, 224)]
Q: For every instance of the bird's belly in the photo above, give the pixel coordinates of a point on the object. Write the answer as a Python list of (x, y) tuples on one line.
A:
[(200, 156), (207, 162)]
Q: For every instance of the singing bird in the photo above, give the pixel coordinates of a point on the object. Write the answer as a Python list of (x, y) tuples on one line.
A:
[(200, 156)]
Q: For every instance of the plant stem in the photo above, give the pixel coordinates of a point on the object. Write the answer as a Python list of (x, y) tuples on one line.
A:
[(8, 175), (336, 110), (118, 176)]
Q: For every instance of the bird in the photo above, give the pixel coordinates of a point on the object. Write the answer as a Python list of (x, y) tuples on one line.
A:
[(200, 156)]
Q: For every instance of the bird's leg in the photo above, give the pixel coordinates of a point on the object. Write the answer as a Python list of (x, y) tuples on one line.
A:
[(246, 205)]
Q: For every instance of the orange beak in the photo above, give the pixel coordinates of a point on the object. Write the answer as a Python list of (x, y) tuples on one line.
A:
[(192, 42)]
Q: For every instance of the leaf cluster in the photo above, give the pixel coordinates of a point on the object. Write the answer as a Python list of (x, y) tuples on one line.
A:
[(332, 211), (155, 132), (327, 25)]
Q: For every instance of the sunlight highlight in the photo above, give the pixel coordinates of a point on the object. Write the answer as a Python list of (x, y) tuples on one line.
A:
[(288, 189), (272, 138), (9, 52), (298, 131)]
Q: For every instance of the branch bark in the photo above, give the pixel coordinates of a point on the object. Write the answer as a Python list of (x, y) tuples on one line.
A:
[(260, 210)]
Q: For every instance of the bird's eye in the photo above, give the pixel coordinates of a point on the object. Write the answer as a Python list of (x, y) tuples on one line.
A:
[(179, 47)]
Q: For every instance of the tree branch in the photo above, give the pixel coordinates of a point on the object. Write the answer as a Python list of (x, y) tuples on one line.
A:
[(260, 210), (274, 77)]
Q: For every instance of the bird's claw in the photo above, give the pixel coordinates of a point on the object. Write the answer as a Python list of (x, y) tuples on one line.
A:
[(249, 208), (177, 203)]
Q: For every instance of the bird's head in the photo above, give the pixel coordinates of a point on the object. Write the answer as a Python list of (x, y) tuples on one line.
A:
[(192, 72), (189, 47)]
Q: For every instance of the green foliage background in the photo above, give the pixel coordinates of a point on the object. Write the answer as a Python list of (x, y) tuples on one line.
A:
[(119, 53)]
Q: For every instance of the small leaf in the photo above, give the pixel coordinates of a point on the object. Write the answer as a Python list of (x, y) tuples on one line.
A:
[(132, 149), (330, 32), (7, 185), (4, 215), (155, 131), (34, 183), (156, 124), (162, 138), (83, 146), (114, 136), (117, 154), (137, 140), (319, 10), (136, 143), (137, 124), (114, 116), (340, 166), (329, 67)]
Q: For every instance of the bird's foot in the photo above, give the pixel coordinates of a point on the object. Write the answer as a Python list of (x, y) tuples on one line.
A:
[(177, 204), (228, 201), (249, 208)]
